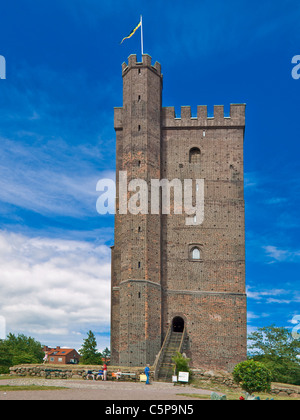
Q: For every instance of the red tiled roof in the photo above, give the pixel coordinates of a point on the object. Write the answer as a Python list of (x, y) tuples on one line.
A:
[(60, 352)]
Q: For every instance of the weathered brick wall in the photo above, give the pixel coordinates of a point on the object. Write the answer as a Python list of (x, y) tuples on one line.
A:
[(210, 292)]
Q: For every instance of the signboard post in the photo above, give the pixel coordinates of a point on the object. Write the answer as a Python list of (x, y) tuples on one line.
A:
[(183, 377)]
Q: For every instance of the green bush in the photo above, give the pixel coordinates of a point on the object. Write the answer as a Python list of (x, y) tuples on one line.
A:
[(252, 376), (4, 370), (181, 363), (24, 358)]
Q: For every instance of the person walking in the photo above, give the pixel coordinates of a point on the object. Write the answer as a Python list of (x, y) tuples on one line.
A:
[(45, 358), (147, 373)]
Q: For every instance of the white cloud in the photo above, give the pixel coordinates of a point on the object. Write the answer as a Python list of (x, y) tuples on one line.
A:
[(54, 290), (49, 179), (275, 253), (250, 180), (279, 301), (268, 295), (252, 315), (279, 255)]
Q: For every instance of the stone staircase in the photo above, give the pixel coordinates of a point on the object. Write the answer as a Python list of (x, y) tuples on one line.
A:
[(166, 369)]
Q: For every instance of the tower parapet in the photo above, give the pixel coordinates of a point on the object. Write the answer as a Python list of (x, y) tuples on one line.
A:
[(146, 62), (236, 118)]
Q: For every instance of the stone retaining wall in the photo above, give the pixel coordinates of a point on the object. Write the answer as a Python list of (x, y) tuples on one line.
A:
[(214, 376), (49, 371)]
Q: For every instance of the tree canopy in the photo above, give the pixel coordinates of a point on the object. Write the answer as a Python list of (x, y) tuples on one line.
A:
[(15, 350), (276, 348), (89, 353)]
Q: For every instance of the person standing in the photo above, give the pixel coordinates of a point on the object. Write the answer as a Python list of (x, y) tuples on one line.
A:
[(147, 373), (104, 372)]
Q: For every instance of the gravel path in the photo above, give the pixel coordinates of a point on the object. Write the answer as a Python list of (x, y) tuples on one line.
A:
[(94, 390)]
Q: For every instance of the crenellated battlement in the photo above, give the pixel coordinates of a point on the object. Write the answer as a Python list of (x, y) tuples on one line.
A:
[(236, 118), (171, 121), (146, 62)]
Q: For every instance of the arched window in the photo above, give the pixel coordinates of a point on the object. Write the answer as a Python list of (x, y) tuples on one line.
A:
[(194, 156), (195, 253)]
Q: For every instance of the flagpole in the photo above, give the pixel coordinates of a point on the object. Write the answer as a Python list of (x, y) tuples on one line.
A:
[(142, 41)]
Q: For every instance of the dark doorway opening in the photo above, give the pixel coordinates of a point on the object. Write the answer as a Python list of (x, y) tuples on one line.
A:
[(178, 324)]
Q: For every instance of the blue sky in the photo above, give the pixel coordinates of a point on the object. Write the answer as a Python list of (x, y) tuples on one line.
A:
[(63, 78)]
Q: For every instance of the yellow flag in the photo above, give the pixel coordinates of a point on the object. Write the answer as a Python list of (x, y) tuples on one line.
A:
[(132, 32)]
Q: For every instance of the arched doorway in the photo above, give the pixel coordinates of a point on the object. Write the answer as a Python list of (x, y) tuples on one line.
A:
[(178, 324)]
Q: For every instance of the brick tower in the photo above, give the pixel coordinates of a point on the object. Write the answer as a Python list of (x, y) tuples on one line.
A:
[(167, 275)]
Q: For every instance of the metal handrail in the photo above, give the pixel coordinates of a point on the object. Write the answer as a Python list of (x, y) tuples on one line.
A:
[(182, 339)]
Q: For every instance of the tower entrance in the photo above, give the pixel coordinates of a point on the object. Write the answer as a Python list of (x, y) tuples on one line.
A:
[(178, 324)]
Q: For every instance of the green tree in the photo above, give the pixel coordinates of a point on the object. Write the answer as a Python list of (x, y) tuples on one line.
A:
[(89, 352), (274, 342), (5, 358), (106, 353), (278, 351), (252, 376), (19, 349)]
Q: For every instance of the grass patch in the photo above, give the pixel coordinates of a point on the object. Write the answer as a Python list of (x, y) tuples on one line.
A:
[(7, 388), (236, 393), (200, 396)]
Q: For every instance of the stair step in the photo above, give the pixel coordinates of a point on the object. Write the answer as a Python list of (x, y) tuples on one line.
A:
[(167, 365)]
